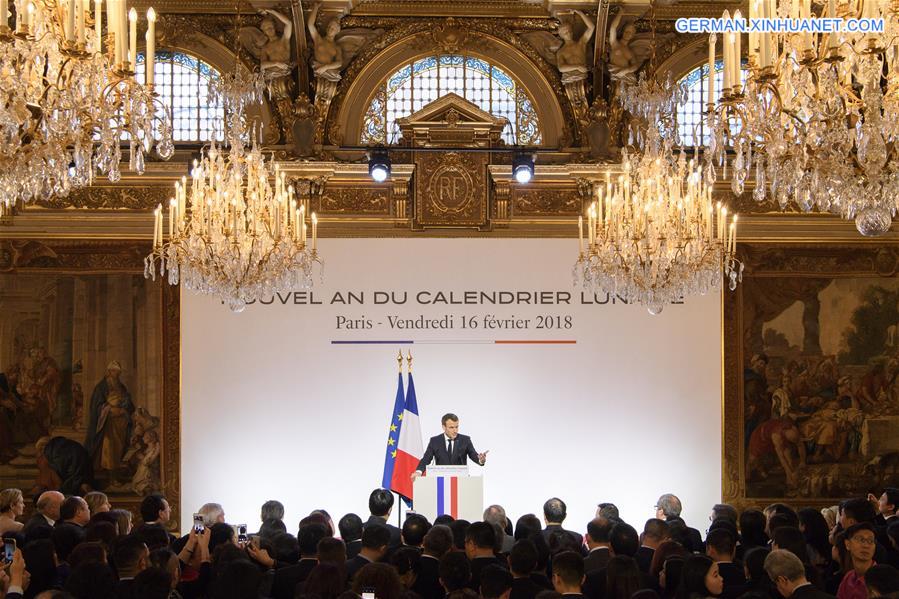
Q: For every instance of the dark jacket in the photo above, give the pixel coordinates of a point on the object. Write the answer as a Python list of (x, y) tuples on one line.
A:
[(436, 450)]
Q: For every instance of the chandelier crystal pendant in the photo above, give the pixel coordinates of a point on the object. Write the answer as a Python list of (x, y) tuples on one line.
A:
[(817, 120), (69, 99), (654, 235), (232, 233)]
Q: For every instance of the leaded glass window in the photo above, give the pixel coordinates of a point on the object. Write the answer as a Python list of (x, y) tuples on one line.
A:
[(690, 121), (420, 82), (183, 83)]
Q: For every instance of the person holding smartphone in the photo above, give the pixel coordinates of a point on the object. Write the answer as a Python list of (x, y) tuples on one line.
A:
[(18, 576)]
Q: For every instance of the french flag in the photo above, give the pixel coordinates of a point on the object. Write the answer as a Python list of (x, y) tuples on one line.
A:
[(448, 496), (409, 448)]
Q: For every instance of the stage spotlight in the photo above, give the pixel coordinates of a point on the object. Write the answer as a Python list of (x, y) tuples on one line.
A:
[(379, 165), (523, 168)]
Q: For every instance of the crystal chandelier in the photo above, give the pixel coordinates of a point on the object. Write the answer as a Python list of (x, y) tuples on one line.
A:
[(654, 235), (232, 233), (66, 106), (818, 117)]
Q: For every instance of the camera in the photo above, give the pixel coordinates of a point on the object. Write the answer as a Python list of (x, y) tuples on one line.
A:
[(199, 526)]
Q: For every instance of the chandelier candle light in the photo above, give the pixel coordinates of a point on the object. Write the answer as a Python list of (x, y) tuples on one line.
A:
[(818, 117), (232, 233), (67, 106)]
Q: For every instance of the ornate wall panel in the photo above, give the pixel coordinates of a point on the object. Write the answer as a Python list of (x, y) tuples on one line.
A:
[(451, 189), (89, 372), (811, 374)]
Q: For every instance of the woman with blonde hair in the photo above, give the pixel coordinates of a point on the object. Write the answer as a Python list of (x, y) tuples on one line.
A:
[(97, 502), (123, 521), (12, 504)]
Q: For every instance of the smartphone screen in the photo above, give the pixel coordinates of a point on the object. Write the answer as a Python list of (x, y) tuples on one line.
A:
[(368, 593), (198, 523), (241, 533), (9, 549)]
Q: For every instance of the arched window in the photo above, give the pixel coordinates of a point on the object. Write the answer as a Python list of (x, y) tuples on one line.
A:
[(422, 81), (691, 123), (183, 83)]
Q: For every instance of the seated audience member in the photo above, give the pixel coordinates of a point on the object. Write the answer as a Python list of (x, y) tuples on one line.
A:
[(74, 512), (622, 578), (40, 561), (12, 505), (454, 571), (817, 538), (239, 579), (325, 581), (327, 520), (414, 530), (624, 540), (332, 551), (153, 583), (97, 502), (437, 543), (123, 521), (752, 531), (130, 557), (599, 531), (496, 583), (721, 547), (382, 578), (842, 563), (407, 563), (655, 532), (168, 562), (522, 563), (757, 580), (87, 553), (496, 514), (271, 510), (380, 504), (668, 508), (375, 542), (787, 572), (669, 577), (666, 550), (445, 519), (607, 510), (882, 581), (14, 580), (102, 532), (46, 510), (792, 539), (724, 511), (92, 580), (893, 538), (554, 513), (286, 579), (887, 507), (459, 528), (350, 527), (155, 513), (860, 543), (568, 573), (480, 542), (699, 578)]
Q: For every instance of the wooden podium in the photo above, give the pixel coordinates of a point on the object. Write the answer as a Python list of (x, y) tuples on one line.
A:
[(449, 490)]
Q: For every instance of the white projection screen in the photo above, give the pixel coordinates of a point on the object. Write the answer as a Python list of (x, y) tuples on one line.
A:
[(627, 408)]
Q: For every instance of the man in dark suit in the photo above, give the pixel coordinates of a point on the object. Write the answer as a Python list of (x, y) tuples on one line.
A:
[(496, 582), (438, 541), (450, 448), (788, 574), (350, 527), (375, 540), (887, 507), (624, 541), (721, 547), (380, 504), (599, 552), (655, 532), (414, 530), (286, 579), (669, 508), (554, 513), (568, 574), (47, 510), (131, 557), (480, 543), (522, 562)]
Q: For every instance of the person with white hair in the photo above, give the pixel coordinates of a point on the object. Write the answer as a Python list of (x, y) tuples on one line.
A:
[(212, 513)]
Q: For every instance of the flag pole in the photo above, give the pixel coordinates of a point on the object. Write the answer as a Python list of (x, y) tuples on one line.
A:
[(409, 367)]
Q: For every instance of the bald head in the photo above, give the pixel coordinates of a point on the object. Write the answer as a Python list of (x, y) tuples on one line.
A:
[(49, 503)]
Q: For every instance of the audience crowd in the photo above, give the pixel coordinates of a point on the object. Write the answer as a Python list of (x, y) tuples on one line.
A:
[(82, 548)]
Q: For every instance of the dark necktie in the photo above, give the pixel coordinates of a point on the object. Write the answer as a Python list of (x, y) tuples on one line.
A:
[(449, 447)]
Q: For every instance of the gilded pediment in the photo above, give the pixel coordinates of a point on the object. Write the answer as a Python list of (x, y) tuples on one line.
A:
[(452, 120)]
